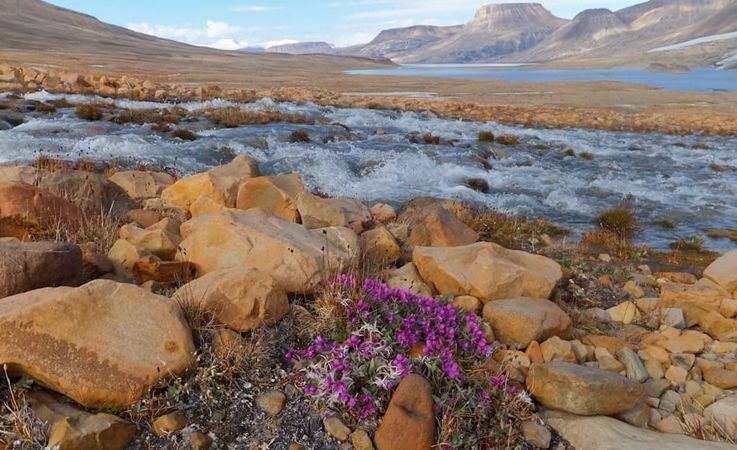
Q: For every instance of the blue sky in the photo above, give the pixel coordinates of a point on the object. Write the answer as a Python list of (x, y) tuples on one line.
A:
[(234, 24)]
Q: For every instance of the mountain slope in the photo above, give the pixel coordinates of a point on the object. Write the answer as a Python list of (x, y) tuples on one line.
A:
[(397, 43), (303, 48)]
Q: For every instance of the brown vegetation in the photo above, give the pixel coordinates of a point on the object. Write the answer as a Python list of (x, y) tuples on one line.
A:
[(507, 140), (486, 136), (235, 117), (184, 134), (299, 136), (88, 111)]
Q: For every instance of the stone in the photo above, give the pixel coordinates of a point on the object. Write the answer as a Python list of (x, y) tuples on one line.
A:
[(437, 227), (336, 428), (674, 295), (487, 271), (647, 304), (654, 369), (676, 375), (728, 307), (122, 342), (518, 321), (536, 434), (467, 303), (205, 205), (718, 327), (92, 193), (27, 211), (723, 271), (381, 212), (673, 317), (597, 433), (124, 255), (677, 277), (625, 313), (378, 245), (318, 212), (721, 378), (633, 289), (638, 416), (596, 392), (633, 365), (361, 440), (169, 423), (683, 344), (275, 195), (723, 415), (408, 278), (161, 239), (70, 428), (556, 349), (139, 184), (271, 402), (151, 268), (33, 265), (240, 299), (296, 258), (655, 388), (411, 408), (220, 184)]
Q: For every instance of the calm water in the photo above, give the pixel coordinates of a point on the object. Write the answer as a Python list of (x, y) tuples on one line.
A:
[(668, 177), (698, 80)]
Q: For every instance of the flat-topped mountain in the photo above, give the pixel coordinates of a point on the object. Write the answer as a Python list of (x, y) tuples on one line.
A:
[(302, 48)]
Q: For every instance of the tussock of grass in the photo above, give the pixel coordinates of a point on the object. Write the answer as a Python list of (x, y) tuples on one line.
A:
[(570, 152), (18, 424), (59, 165), (430, 139), (144, 116), (486, 136), (88, 111), (620, 220), (513, 232), (184, 134), (61, 103), (235, 117), (299, 136), (689, 244), (587, 156), (507, 140), (45, 108)]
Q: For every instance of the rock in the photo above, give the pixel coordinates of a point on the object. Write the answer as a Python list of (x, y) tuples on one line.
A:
[(467, 303), (341, 238), (673, 317), (728, 308), (19, 174), (220, 184), (142, 184), (143, 217), (361, 440), (381, 212), (635, 369), (597, 433), (677, 277), (723, 271), (638, 416), (297, 259), (718, 327), (124, 256), (408, 278), (121, 343), (161, 239), (674, 295), (721, 378), (169, 423), (683, 344), (411, 408), (91, 192), (596, 392), (633, 289), (723, 415), (275, 195), (611, 343), (654, 369), (522, 320), (73, 429), (434, 226), (205, 205), (26, 211), (535, 434), (318, 212), (556, 349), (271, 402), (625, 313), (487, 271), (240, 299), (33, 265), (647, 304), (378, 245), (676, 375), (150, 268), (336, 428), (655, 388)]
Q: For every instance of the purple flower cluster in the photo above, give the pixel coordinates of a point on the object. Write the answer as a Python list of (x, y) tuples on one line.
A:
[(389, 334)]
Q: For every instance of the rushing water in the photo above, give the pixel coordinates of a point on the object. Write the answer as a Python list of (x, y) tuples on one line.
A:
[(665, 175), (697, 80)]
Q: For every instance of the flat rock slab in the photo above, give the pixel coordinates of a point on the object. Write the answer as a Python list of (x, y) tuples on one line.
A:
[(104, 345), (25, 266), (606, 433)]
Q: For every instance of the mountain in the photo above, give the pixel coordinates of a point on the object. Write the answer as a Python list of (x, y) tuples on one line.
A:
[(303, 48), (494, 31), (33, 32)]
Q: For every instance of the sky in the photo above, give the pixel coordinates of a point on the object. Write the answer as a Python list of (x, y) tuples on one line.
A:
[(232, 24)]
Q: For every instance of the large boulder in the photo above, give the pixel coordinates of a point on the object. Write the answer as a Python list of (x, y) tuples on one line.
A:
[(220, 184), (297, 258), (26, 211), (18, 174), (520, 321), (73, 429), (487, 271), (91, 192), (606, 433), (240, 299), (104, 345), (582, 390), (723, 271), (379, 246), (437, 223), (140, 184), (318, 212), (32, 265), (275, 195), (677, 294), (723, 415), (409, 421), (408, 278), (161, 239)]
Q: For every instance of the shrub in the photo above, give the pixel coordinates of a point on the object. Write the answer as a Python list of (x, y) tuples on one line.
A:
[(378, 335), (689, 244), (486, 136), (586, 155), (570, 152), (184, 134), (299, 136), (619, 220), (508, 140), (45, 108), (88, 111)]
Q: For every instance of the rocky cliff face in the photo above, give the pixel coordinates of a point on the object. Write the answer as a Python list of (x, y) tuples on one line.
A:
[(397, 43), (303, 48)]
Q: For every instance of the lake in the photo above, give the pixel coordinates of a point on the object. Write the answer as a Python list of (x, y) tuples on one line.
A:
[(697, 80)]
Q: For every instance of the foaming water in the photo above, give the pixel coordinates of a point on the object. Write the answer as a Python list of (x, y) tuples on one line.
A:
[(665, 176)]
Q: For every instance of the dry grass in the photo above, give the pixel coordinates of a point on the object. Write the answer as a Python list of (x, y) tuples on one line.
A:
[(688, 244), (89, 111), (61, 103), (486, 136), (299, 136), (19, 428), (59, 165), (184, 134), (430, 139), (235, 117), (45, 108), (507, 140), (144, 116), (587, 156), (514, 232), (620, 220)]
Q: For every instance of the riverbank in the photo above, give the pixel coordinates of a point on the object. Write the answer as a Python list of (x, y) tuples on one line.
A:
[(604, 106)]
